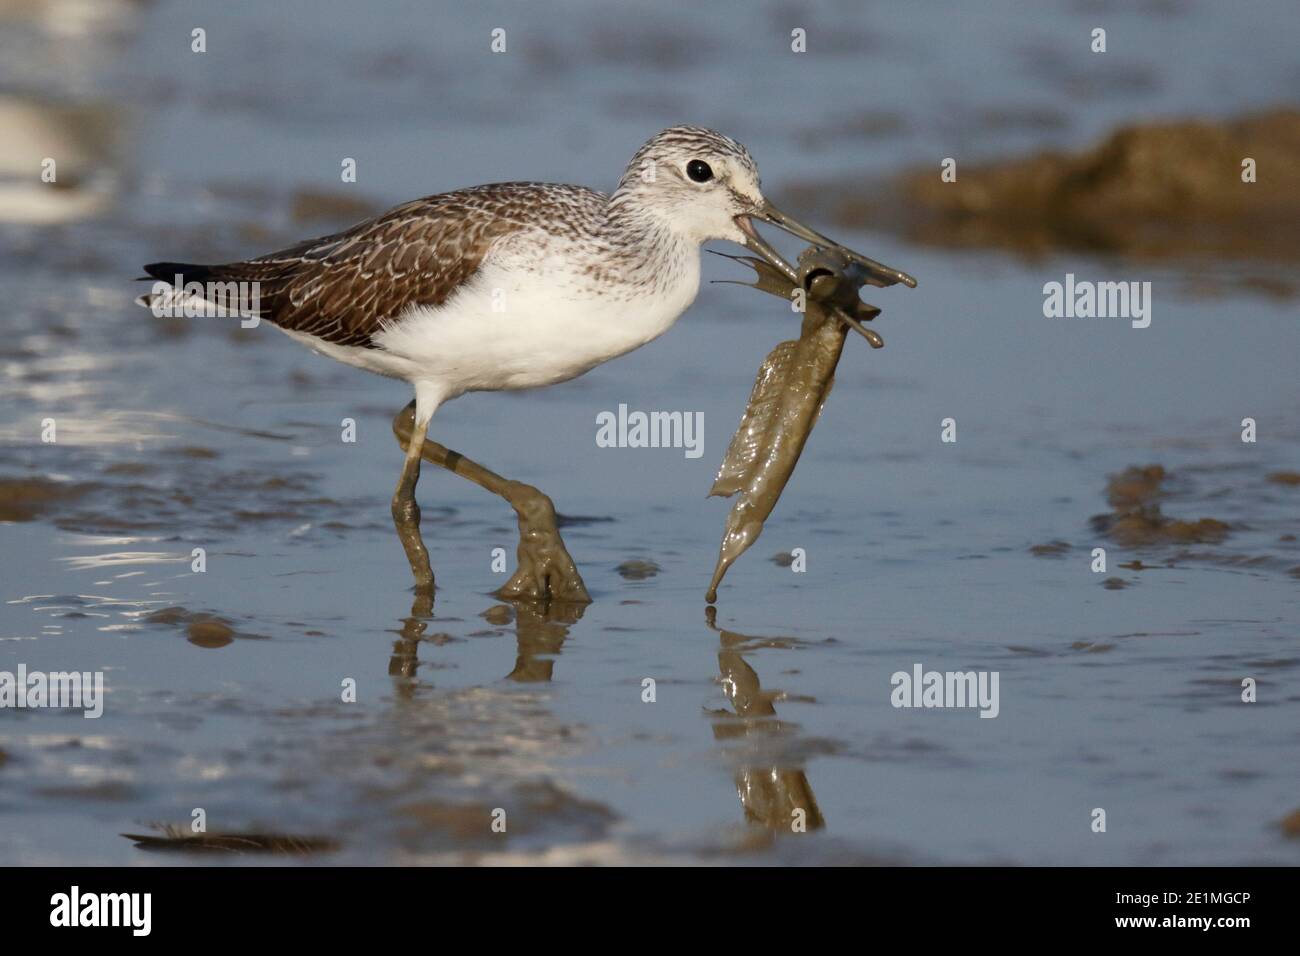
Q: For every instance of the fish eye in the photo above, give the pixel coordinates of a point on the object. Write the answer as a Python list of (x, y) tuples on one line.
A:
[(699, 170)]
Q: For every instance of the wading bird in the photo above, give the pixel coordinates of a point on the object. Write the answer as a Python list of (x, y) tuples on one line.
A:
[(510, 286)]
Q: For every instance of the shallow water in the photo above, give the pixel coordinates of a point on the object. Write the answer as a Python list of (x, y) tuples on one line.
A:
[(224, 687)]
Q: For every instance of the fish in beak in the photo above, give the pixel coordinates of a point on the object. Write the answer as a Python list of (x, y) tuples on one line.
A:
[(875, 273)]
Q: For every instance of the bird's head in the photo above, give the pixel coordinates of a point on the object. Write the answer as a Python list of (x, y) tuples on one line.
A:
[(706, 186)]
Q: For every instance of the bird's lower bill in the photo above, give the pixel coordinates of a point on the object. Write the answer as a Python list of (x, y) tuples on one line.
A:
[(881, 275)]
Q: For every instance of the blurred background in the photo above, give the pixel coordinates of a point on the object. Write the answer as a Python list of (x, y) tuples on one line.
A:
[(1119, 690)]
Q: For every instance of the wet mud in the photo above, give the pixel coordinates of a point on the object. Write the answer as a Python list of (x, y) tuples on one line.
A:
[(1139, 497), (26, 499), (1137, 520), (200, 628), (1163, 190)]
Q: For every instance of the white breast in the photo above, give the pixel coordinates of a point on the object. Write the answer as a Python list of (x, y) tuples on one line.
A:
[(537, 320)]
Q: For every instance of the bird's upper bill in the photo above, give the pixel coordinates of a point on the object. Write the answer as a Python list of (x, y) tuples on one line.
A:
[(880, 275)]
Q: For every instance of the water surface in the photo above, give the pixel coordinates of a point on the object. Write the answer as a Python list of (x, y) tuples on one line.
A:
[(225, 686)]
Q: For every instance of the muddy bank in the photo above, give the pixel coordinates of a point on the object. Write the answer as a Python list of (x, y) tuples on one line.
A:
[(1164, 189)]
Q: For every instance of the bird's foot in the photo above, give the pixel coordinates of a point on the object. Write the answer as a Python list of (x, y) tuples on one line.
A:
[(546, 570)]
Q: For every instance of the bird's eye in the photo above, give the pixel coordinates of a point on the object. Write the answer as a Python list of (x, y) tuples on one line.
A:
[(699, 171)]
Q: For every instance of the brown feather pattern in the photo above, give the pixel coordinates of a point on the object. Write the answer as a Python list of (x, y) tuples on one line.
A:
[(344, 288)]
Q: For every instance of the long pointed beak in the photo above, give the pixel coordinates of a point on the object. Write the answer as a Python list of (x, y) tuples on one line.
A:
[(880, 275)]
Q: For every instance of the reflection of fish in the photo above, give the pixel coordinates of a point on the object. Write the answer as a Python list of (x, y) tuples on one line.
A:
[(773, 796), (788, 395)]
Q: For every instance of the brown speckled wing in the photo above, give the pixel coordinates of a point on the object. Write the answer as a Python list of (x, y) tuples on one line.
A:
[(346, 287)]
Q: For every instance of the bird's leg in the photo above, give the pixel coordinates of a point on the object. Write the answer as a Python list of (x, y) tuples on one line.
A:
[(546, 569), (406, 511)]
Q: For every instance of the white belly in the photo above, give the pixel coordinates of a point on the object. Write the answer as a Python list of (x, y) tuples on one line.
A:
[(511, 330)]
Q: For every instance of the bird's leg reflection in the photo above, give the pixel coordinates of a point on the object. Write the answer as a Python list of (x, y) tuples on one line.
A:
[(773, 796), (540, 630), (545, 569), (406, 648)]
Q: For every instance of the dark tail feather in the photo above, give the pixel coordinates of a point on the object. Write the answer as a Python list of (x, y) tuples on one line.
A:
[(188, 271)]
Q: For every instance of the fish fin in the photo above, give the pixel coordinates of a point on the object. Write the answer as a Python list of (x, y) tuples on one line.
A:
[(764, 400), (769, 279)]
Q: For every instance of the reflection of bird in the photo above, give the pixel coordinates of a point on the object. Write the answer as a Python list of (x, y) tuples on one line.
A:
[(510, 286)]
